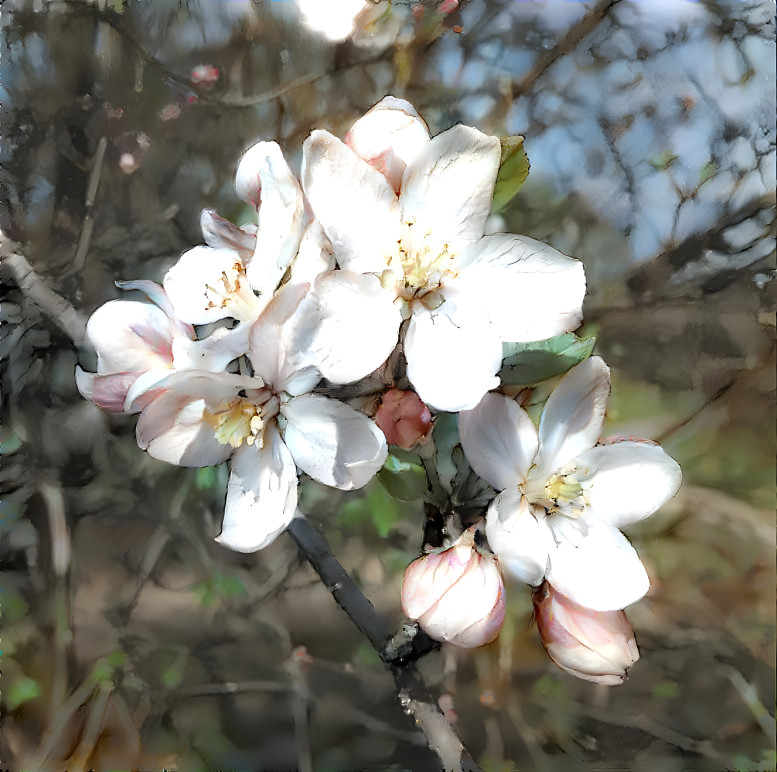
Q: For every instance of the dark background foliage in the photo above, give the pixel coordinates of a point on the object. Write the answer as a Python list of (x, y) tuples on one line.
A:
[(130, 638)]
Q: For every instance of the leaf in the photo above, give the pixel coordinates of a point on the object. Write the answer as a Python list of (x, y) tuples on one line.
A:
[(21, 689), (513, 171), (403, 476), (525, 364)]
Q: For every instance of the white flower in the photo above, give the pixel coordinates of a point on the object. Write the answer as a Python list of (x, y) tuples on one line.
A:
[(562, 497), (410, 215), (141, 341), (220, 281), (269, 425)]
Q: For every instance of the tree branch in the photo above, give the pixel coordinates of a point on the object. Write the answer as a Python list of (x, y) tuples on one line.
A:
[(399, 653), (67, 318)]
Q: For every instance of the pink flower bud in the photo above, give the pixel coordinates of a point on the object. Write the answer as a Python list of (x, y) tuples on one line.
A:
[(456, 595), (596, 646), (204, 74), (403, 418)]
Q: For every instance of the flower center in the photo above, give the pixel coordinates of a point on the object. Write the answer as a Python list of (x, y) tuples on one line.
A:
[(424, 262), (242, 420), (232, 292), (561, 493)]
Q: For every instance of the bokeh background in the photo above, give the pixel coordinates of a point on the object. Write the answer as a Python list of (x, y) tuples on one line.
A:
[(132, 640)]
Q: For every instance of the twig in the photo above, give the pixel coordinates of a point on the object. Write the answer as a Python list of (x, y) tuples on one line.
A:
[(649, 726), (565, 46), (67, 318), (88, 225), (400, 658), (232, 687), (749, 695), (677, 425)]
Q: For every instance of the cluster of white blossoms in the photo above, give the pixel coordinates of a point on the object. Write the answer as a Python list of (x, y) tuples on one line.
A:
[(380, 249)]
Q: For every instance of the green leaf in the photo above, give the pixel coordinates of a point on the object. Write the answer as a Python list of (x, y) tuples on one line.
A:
[(172, 661), (21, 689), (707, 172), (513, 171), (403, 476), (219, 585), (528, 363), (663, 160), (667, 689)]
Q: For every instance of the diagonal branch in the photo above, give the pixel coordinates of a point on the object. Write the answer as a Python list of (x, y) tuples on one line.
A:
[(398, 654)]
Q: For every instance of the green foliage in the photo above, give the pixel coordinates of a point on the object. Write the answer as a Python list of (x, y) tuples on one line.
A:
[(663, 160), (513, 171), (105, 667), (20, 689), (708, 171), (219, 585), (206, 478), (668, 690), (172, 663), (403, 476), (12, 607), (528, 363), (376, 506)]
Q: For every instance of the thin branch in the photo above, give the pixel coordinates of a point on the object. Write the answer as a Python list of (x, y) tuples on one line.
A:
[(65, 316), (398, 654), (565, 46)]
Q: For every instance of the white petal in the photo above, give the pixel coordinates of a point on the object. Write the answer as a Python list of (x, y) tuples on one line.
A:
[(357, 325), (389, 137), (453, 354), (499, 440), (599, 569), (448, 188), (315, 256), (572, 419), (261, 496), (331, 441), (278, 343), (129, 336), (220, 233), (520, 540), (213, 353), (534, 291), (354, 203), (172, 428), (207, 284), (626, 481), (264, 177)]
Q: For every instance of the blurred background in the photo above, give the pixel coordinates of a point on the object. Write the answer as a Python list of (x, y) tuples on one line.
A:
[(132, 640)]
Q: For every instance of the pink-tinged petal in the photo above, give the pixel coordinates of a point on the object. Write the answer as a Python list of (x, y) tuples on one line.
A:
[(356, 325), (447, 190), (220, 233), (106, 391), (532, 291), (499, 440), (207, 285), (152, 291), (264, 177), (261, 495), (332, 442), (598, 569), (173, 428), (389, 137), (572, 419), (403, 418), (453, 354), (129, 336), (521, 541), (626, 481), (214, 388), (355, 204)]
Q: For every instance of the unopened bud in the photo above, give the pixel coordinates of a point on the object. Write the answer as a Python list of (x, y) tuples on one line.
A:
[(456, 595), (596, 646), (403, 418)]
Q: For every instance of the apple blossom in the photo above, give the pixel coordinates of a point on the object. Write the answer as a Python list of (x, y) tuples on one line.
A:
[(135, 340), (456, 594), (562, 497), (268, 425), (418, 248), (596, 646)]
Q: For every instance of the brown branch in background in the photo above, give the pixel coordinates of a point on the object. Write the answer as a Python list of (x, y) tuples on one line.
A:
[(67, 318), (564, 46), (88, 225), (398, 654)]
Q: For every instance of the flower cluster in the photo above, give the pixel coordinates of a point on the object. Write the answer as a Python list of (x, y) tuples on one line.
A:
[(374, 273)]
